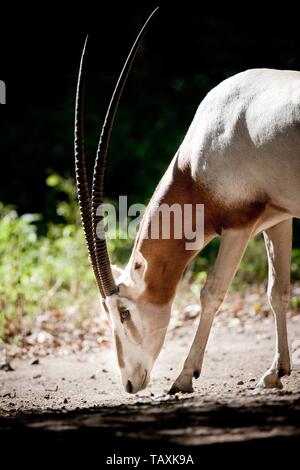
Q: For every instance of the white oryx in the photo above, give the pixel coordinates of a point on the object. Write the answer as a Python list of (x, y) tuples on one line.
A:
[(241, 159)]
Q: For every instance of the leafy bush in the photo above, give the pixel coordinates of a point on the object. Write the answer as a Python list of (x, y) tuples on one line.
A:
[(42, 272), (38, 273)]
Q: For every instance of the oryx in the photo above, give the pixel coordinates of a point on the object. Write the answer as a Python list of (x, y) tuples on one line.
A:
[(241, 159)]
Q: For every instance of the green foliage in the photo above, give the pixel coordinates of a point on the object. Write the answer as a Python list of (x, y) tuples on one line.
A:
[(64, 195), (52, 271), (295, 268), (254, 266), (38, 273)]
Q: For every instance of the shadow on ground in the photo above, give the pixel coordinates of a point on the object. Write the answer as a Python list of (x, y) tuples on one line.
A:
[(179, 426)]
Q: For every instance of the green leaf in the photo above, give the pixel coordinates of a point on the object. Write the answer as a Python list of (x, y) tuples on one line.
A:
[(53, 180)]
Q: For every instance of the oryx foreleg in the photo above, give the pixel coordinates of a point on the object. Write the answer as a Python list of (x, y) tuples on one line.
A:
[(232, 247)]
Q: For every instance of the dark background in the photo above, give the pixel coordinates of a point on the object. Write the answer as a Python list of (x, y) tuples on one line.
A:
[(188, 50)]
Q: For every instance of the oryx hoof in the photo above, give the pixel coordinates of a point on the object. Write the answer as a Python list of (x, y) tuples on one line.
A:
[(270, 379), (173, 390), (182, 384)]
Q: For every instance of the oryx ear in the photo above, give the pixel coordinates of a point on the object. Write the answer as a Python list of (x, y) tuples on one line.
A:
[(117, 272), (138, 267)]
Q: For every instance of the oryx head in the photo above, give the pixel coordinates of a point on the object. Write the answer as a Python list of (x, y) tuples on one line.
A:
[(139, 326)]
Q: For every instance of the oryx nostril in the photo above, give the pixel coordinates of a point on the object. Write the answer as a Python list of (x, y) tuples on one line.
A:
[(129, 387)]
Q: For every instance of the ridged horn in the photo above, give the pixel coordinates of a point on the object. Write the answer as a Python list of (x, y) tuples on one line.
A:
[(100, 244), (80, 171)]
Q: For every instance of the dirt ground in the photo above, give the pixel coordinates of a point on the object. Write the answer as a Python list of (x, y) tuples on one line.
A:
[(63, 402), (82, 393)]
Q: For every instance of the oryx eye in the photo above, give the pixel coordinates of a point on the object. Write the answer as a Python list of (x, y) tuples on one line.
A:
[(124, 314)]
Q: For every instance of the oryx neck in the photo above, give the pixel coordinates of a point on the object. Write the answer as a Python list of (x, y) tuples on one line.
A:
[(166, 257)]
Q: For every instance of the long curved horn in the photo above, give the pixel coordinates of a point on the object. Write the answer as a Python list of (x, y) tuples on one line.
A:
[(80, 171), (100, 245)]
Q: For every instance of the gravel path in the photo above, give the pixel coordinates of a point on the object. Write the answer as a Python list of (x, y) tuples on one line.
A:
[(235, 360)]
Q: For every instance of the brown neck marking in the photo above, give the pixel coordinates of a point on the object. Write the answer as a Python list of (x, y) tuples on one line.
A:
[(167, 259)]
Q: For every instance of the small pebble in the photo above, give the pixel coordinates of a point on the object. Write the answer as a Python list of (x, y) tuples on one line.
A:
[(35, 362), (6, 367), (52, 389)]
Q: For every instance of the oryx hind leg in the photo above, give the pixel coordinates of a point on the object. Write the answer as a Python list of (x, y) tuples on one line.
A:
[(278, 240)]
